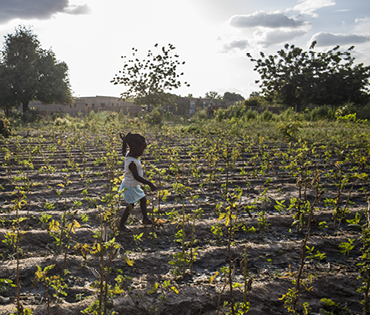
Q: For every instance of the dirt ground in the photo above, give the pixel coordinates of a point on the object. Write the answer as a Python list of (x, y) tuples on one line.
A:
[(273, 259)]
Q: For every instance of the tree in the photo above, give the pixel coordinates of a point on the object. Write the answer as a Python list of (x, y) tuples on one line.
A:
[(212, 95), (5, 91), (149, 79), (232, 97), (295, 77), (31, 73)]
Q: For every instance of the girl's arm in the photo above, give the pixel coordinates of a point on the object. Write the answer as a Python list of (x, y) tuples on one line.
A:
[(140, 179)]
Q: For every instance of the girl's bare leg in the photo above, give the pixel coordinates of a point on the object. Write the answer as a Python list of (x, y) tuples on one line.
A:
[(144, 211), (125, 215)]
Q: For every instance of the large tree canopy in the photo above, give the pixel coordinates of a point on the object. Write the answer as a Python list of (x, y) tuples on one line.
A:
[(232, 97), (31, 73), (148, 80), (295, 77)]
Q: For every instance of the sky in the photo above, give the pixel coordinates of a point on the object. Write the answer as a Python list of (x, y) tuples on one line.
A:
[(211, 36)]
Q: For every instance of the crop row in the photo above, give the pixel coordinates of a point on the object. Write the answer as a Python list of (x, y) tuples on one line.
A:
[(60, 207)]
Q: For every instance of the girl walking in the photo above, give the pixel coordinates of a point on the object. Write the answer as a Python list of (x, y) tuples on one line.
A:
[(133, 177)]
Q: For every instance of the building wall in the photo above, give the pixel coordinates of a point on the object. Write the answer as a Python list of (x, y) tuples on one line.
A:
[(86, 104), (184, 106)]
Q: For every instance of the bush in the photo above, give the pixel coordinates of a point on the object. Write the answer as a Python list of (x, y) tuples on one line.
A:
[(30, 116), (250, 114), (198, 116), (155, 117), (220, 114), (255, 101), (288, 114), (239, 110), (5, 128), (62, 122), (289, 129), (121, 115), (266, 115), (322, 112), (363, 113), (55, 116)]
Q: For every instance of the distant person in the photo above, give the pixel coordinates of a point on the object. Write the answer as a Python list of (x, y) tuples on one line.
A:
[(209, 111), (133, 177)]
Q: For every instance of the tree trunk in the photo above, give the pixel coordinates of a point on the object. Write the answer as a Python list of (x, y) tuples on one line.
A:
[(298, 107), (25, 107)]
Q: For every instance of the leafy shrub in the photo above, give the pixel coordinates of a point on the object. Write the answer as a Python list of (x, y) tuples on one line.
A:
[(250, 114), (5, 128), (255, 101), (62, 121), (90, 116), (121, 115), (289, 129), (239, 110), (364, 112), (30, 116), (220, 114), (321, 113), (199, 116), (55, 116), (288, 114), (155, 117), (111, 117), (266, 115)]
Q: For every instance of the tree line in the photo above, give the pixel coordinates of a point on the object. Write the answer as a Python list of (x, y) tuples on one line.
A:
[(292, 77), (28, 72)]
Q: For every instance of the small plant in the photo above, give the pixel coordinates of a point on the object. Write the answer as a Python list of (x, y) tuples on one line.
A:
[(55, 282), (289, 129), (187, 256), (291, 298)]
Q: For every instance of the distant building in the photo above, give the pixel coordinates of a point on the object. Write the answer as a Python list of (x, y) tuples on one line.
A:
[(84, 105), (189, 105), (183, 106)]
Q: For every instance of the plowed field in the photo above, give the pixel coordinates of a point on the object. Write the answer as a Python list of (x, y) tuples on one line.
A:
[(239, 203)]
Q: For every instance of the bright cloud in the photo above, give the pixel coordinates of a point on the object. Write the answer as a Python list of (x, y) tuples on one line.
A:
[(310, 6), (261, 30), (263, 19), (279, 36), (329, 39), (235, 44), (362, 26), (37, 9)]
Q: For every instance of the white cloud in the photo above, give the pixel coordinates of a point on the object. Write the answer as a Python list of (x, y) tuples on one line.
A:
[(279, 36), (310, 6), (77, 9), (329, 39), (260, 30), (37, 9), (235, 44), (362, 26), (263, 19)]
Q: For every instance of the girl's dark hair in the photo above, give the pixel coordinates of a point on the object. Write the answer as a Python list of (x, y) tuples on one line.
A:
[(132, 140)]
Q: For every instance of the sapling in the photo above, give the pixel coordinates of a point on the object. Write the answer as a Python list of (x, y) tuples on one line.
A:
[(69, 230), (157, 294), (61, 230), (364, 265), (13, 238), (230, 216), (181, 259), (262, 220), (291, 298), (56, 282)]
